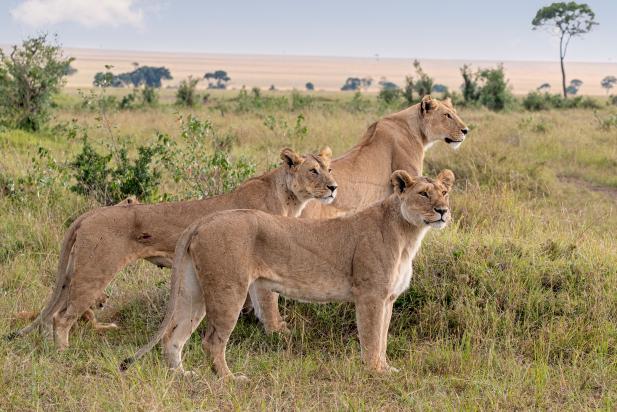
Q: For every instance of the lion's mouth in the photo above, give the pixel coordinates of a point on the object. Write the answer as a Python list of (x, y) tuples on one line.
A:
[(327, 199), (439, 223), (449, 140)]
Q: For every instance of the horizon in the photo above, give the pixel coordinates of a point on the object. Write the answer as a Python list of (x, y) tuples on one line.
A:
[(344, 29)]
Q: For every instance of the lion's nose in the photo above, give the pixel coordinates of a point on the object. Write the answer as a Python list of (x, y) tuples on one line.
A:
[(465, 130), (332, 188), (441, 211)]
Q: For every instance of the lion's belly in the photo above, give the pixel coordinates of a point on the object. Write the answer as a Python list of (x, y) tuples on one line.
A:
[(316, 291)]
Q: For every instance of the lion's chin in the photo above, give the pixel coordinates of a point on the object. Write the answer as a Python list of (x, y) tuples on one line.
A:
[(327, 200), (438, 225), (455, 144)]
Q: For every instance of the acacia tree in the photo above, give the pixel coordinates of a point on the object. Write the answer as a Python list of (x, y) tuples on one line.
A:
[(608, 83), (568, 20)]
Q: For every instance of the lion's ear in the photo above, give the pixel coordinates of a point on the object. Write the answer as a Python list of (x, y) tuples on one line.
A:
[(446, 177), (401, 180), (448, 103), (326, 153), (291, 158), (427, 104)]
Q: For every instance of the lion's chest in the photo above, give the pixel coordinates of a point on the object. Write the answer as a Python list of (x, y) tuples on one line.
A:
[(403, 274)]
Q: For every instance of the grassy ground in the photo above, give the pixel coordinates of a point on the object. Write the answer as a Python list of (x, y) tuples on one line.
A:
[(513, 306)]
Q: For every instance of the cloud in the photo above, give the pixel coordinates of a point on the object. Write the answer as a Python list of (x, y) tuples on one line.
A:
[(89, 13)]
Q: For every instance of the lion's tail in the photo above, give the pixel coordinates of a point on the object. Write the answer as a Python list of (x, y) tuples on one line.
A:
[(61, 277), (182, 263)]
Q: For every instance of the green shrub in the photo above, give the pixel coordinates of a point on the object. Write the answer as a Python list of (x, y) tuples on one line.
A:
[(30, 75), (113, 176), (187, 92), (494, 92), (204, 164), (536, 101), (389, 96)]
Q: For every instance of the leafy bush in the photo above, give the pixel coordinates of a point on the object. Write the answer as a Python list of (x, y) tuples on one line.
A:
[(112, 176), (494, 91), (187, 92), (423, 85), (281, 128), (30, 75), (470, 87), (535, 101), (389, 96), (207, 167), (358, 103)]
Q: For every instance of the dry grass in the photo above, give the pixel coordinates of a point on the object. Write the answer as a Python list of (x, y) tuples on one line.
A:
[(511, 307)]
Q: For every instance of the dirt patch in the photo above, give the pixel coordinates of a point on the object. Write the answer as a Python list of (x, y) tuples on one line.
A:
[(609, 190)]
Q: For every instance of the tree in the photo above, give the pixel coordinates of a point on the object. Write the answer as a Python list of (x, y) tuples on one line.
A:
[(352, 83), (575, 84), (608, 83), (570, 20), (544, 87), (146, 75), (217, 79), (388, 85), (30, 75), (309, 86), (440, 88)]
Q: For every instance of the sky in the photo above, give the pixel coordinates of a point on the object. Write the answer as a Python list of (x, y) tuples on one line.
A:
[(445, 29)]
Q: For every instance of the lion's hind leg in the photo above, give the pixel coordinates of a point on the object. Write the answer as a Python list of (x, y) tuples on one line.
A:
[(189, 311), (224, 301)]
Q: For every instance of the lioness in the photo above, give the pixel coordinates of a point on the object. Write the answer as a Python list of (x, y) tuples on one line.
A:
[(364, 258), (103, 241), (395, 142), (88, 315)]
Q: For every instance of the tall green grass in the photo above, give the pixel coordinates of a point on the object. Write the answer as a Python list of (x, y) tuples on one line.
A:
[(512, 306)]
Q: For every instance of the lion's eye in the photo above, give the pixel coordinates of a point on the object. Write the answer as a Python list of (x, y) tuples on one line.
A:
[(448, 115), (424, 194), (445, 192), (329, 170), (314, 171)]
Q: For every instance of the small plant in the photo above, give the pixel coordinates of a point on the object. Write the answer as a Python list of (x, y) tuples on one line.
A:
[(187, 92), (281, 128), (204, 163), (606, 123), (30, 75), (358, 103)]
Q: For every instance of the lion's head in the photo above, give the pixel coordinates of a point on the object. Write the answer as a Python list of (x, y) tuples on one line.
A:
[(309, 176), (424, 201), (440, 122)]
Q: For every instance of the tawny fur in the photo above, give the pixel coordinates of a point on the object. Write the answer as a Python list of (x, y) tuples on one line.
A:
[(103, 241), (364, 258), (88, 315), (395, 142)]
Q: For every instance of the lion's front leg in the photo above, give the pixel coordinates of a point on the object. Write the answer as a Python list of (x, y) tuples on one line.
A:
[(265, 303), (371, 313)]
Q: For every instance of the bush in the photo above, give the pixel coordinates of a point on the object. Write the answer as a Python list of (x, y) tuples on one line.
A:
[(494, 92), (207, 167), (389, 96), (30, 75), (535, 101), (470, 87), (187, 92), (423, 85), (112, 176)]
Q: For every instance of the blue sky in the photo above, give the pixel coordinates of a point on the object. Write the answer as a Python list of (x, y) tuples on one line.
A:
[(470, 29)]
